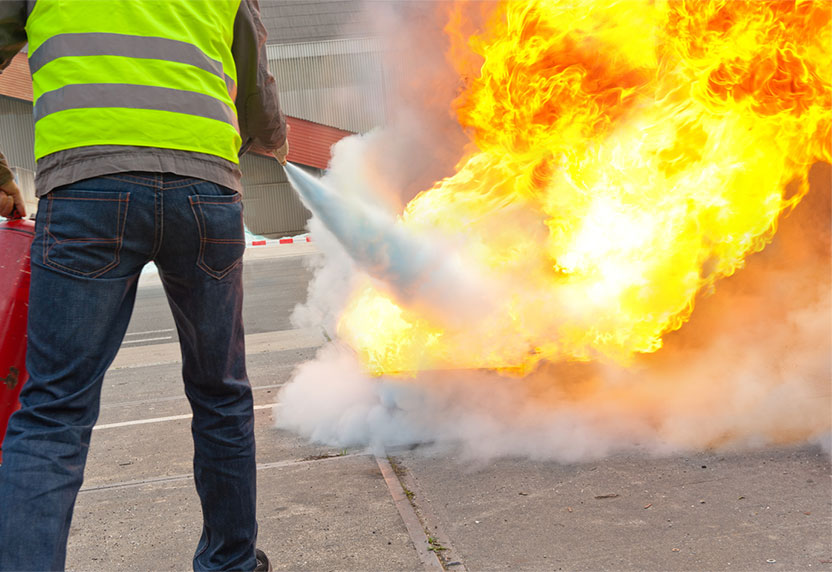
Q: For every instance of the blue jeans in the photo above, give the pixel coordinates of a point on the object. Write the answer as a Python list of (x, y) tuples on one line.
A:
[(92, 240)]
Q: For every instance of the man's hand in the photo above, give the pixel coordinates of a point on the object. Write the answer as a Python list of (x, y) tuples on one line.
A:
[(11, 199), (282, 152)]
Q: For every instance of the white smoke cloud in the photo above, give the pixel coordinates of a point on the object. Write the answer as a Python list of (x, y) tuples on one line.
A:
[(751, 368)]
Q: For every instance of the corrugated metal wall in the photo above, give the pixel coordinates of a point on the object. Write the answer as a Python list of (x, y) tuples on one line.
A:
[(17, 141), (340, 83), (17, 132), (290, 21), (271, 206)]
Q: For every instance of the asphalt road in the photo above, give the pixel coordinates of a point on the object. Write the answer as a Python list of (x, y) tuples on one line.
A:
[(272, 289)]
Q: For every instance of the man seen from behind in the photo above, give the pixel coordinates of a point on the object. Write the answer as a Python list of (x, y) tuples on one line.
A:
[(141, 108)]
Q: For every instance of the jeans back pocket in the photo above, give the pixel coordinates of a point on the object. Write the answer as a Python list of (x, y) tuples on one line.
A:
[(221, 232), (83, 230)]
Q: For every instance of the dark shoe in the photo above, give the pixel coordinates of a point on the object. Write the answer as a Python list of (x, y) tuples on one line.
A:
[(263, 564)]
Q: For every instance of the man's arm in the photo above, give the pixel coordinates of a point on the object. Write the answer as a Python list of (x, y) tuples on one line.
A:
[(5, 173), (13, 15), (258, 107), (11, 198)]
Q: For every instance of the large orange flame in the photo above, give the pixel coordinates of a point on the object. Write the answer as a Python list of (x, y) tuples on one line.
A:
[(625, 157)]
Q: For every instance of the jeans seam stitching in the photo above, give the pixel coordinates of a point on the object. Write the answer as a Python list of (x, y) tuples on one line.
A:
[(123, 220), (46, 224), (203, 239), (90, 274), (122, 178), (88, 199), (235, 199), (199, 229), (159, 223), (202, 242), (219, 274), (183, 184), (86, 240)]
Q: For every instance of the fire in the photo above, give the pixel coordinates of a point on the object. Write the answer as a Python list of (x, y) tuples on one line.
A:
[(625, 156)]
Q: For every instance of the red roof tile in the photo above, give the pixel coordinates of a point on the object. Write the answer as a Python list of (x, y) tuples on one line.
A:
[(15, 80), (310, 143)]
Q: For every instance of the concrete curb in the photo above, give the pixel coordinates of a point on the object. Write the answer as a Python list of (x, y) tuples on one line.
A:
[(414, 526)]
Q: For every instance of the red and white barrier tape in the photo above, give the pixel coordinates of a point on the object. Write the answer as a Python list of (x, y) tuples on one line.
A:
[(287, 240)]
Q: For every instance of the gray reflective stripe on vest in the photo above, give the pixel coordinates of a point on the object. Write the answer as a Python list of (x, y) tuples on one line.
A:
[(142, 47), (95, 95)]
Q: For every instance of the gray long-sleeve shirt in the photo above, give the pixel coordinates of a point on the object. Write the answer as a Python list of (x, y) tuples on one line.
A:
[(258, 111)]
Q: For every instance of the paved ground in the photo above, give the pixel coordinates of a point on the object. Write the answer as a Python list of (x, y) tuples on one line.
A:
[(764, 511), (327, 509)]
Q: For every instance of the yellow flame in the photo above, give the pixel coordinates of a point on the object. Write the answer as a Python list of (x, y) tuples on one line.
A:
[(626, 156)]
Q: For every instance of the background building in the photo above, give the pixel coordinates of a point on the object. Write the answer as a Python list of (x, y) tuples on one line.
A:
[(331, 79)]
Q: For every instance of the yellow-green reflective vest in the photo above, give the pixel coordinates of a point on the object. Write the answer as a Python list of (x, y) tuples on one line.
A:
[(152, 73)]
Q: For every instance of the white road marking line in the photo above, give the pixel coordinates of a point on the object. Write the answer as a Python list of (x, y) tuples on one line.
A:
[(148, 332), (189, 476), (146, 340), (183, 397), (141, 356), (161, 419)]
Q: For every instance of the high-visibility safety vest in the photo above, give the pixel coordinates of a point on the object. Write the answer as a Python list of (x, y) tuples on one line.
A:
[(151, 73)]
